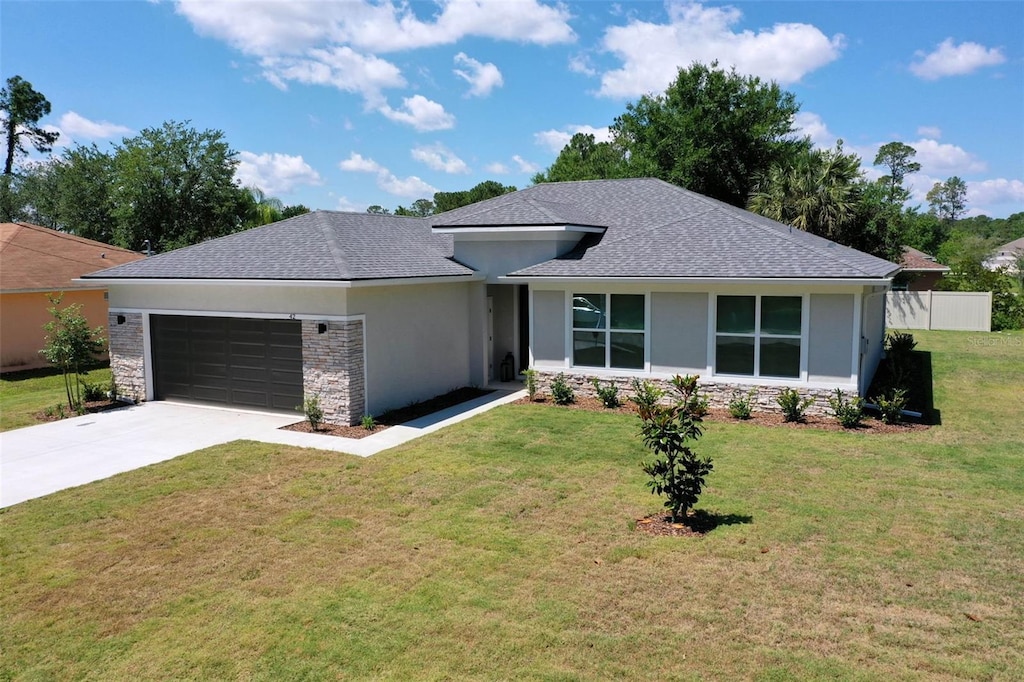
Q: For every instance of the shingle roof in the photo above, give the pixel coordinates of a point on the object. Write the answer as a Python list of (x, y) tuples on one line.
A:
[(322, 245), (655, 229), (1012, 247), (919, 261), (38, 258), (524, 211)]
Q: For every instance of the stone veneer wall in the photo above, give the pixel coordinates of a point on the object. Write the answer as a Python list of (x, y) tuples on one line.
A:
[(127, 355), (718, 393), (333, 370)]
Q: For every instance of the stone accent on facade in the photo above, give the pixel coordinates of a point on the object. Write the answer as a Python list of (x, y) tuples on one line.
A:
[(333, 369), (127, 355), (718, 393)]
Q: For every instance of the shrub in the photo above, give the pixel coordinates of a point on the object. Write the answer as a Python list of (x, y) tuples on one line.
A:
[(676, 472), (561, 391), (898, 349), (368, 422), (900, 343), (531, 382), (793, 406), (741, 406), (92, 392), (687, 386), (645, 394), (608, 395), (891, 407), (71, 345), (113, 390), (313, 411), (850, 412)]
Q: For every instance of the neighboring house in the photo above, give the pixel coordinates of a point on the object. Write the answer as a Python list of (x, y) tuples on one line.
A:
[(1006, 256), (918, 271), (35, 262), (608, 278)]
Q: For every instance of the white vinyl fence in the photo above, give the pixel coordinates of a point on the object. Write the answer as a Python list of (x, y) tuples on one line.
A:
[(958, 310)]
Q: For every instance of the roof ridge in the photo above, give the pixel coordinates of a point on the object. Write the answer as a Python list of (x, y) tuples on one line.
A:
[(333, 245), (53, 232)]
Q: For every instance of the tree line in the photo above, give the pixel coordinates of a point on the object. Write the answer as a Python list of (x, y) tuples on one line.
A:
[(167, 187)]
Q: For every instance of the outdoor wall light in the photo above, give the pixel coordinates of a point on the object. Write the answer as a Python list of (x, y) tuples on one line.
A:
[(321, 328), (120, 319)]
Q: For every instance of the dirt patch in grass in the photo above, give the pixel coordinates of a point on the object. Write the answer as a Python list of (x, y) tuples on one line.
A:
[(697, 523), (760, 418), (394, 417), (91, 407)]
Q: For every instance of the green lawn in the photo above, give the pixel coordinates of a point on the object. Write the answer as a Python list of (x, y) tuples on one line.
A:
[(504, 548), (24, 394)]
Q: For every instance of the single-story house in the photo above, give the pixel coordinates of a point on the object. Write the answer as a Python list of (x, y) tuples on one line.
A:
[(1006, 256), (608, 278), (34, 263), (918, 271)]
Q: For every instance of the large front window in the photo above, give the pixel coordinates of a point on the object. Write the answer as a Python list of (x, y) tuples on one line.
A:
[(759, 336), (608, 330)]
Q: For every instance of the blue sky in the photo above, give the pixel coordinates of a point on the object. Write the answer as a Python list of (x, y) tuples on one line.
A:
[(344, 104)]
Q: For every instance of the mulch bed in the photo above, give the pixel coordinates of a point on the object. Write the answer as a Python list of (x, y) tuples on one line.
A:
[(91, 407), (774, 419), (394, 417)]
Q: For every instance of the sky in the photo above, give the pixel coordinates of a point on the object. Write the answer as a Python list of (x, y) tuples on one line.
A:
[(345, 104)]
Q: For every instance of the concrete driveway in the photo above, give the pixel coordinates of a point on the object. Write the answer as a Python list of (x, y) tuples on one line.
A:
[(39, 460)]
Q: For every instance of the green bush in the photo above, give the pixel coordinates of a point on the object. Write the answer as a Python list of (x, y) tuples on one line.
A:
[(741, 406), (646, 395), (608, 395), (531, 382), (687, 387), (561, 391), (368, 422), (92, 392), (313, 411), (891, 406), (676, 472), (793, 406), (850, 412)]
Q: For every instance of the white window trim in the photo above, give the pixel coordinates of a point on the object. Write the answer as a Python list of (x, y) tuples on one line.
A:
[(608, 331), (757, 335)]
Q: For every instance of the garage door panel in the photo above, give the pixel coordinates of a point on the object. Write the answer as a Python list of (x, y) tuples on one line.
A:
[(232, 361)]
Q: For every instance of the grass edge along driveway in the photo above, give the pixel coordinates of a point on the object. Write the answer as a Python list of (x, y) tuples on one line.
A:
[(504, 547)]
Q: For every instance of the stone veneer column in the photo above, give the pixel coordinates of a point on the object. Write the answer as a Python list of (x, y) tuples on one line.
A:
[(128, 355), (333, 370)]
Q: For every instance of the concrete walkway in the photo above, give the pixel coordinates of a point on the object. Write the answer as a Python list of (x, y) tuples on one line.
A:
[(39, 460)]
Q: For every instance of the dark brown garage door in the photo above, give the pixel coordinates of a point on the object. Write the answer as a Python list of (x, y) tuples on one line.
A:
[(228, 360)]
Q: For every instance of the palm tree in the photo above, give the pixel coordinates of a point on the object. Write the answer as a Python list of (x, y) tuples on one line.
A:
[(262, 209), (817, 194)]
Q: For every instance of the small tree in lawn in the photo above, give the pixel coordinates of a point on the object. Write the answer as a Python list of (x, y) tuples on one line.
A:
[(676, 472), (71, 346)]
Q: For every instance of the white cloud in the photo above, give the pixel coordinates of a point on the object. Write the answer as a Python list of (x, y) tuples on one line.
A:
[(339, 67), (652, 53), (420, 113), (357, 163), (934, 132), (275, 173), (271, 28), (524, 165), (948, 59), (482, 77), (555, 140), (496, 168), (411, 187), (995, 191), (581, 64), (440, 158), (77, 126), (949, 159), (813, 126), (348, 206)]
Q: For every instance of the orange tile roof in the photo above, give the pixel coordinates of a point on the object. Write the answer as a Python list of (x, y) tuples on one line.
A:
[(38, 258), (919, 261)]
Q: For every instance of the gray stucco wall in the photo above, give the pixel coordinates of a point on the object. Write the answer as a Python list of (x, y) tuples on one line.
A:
[(549, 327), (417, 341), (830, 347), (249, 298), (679, 332), (503, 297)]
